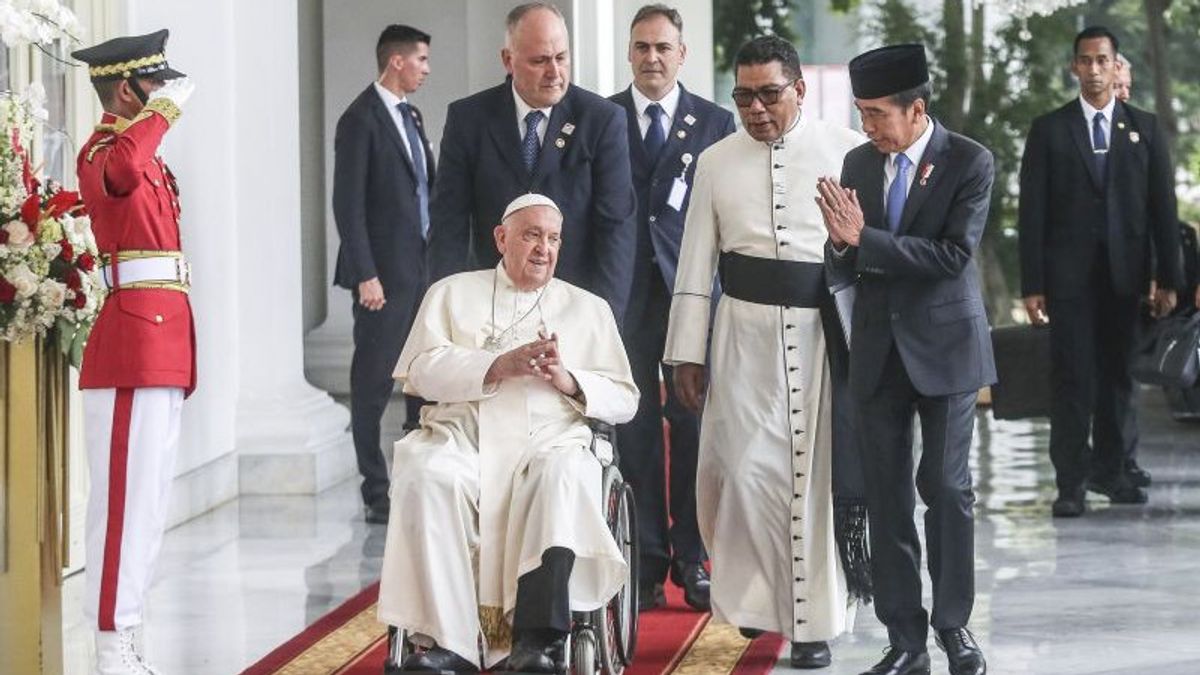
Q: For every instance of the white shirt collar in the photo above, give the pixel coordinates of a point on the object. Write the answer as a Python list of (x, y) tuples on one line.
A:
[(669, 103), (916, 151), (1089, 111), (524, 109), (389, 99)]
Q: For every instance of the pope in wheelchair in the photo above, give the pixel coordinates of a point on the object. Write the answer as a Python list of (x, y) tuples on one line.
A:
[(498, 530)]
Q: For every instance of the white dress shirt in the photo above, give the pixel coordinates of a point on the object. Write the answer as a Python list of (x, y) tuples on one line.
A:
[(1089, 114), (392, 102), (524, 109), (914, 153), (669, 104)]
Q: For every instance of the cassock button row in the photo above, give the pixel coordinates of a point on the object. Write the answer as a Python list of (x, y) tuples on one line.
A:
[(797, 432), (780, 227), (789, 326)]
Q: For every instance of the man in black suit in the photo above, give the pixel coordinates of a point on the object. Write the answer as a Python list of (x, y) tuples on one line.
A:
[(903, 226), (536, 132), (668, 129), (383, 173), (1097, 204)]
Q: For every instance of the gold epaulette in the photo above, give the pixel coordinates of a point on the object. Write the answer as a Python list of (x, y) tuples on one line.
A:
[(163, 106), (97, 146)]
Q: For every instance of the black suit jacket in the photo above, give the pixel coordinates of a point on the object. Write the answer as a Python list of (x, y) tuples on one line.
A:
[(919, 288), (1064, 201), (375, 200), (583, 167), (659, 226)]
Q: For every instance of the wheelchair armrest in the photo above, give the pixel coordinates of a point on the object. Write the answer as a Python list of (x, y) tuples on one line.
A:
[(604, 442)]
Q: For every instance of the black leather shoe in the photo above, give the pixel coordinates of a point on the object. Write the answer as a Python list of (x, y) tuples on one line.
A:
[(1138, 476), (377, 513), (696, 584), (650, 596), (1068, 505), (963, 653), (1119, 489), (750, 633), (899, 662), (808, 655), (528, 656), (437, 660)]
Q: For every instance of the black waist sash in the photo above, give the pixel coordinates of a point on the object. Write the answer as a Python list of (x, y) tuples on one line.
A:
[(767, 281)]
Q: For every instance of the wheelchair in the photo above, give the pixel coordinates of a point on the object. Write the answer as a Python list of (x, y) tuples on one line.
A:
[(601, 642)]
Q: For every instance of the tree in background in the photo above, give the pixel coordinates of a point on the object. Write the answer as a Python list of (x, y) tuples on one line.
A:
[(736, 22)]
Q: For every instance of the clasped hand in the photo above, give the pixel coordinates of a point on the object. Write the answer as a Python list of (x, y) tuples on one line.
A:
[(539, 358), (842, 213)]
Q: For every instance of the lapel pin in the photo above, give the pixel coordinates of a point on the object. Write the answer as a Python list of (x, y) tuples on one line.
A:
[(568, 129), (686, 158), (1134, 137), (1120, 125), (560, 143), (926, 171), (689, 120), (681, 134)]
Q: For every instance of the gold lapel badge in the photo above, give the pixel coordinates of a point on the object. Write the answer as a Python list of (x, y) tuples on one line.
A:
[(1120, 125), (568, 129), (681, 134), (926, 171), (560, 143), (689, 120), (1134, 137)]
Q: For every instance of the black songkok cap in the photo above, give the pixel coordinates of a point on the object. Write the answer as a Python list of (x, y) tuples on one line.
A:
[(888, 70), (125, 57)]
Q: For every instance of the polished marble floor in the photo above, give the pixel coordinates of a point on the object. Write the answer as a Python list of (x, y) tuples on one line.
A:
[(1114, 592)]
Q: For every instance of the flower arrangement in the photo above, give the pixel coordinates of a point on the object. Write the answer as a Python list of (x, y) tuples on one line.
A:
[(38, 22), (49, 281)]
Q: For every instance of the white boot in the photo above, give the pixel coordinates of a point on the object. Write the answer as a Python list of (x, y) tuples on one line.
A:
[(139, 648), (115, 654)]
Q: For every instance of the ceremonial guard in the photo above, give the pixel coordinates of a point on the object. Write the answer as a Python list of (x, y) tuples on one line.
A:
[(139, 363)]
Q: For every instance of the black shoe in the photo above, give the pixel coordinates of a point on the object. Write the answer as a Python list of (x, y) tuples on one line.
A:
[(750, 633), (1069, 505), (650, 596), (811, 655), (1138, 476), (899, 662), (696, 584), (437, 660), (377, 513), (1119, 489), (533, 656), (963, 653)]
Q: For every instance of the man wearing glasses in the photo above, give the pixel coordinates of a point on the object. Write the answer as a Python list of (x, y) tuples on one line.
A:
[(764, 474)]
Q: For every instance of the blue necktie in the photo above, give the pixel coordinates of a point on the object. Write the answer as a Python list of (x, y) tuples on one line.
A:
[(530, 145), (417, 152), (655, 138), (898, 193), (1099, 145)]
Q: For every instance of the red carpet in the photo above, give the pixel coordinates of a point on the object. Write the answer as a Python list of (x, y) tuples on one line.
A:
[(348, 641)]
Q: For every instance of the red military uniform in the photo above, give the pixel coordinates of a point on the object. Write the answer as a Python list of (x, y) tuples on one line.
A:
[(144, 337)]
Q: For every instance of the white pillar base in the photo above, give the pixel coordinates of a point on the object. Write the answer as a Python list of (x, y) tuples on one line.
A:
[(292, 443)]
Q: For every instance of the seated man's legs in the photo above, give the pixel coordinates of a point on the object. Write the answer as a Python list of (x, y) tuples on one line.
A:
[(427, 584)]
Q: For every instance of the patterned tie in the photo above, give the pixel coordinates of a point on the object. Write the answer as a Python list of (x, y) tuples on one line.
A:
[(898, 192), (417, 151), (530, 145), (655, 138), (1099, 145)]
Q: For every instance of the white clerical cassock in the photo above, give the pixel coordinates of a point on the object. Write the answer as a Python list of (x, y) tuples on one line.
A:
[(763, 488), (495, 475)]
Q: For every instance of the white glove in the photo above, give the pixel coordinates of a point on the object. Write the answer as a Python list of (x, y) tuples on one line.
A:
[(177, 91)]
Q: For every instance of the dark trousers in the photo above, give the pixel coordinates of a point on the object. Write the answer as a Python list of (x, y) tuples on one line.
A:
[(1091, 346), (641, 449), (378, 338), (543, 606), (944, 483)]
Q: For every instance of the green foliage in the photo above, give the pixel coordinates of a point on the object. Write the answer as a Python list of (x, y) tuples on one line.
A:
[(736, 22)]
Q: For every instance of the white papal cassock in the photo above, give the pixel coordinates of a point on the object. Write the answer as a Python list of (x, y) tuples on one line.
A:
[(763, 490), (494, 476)]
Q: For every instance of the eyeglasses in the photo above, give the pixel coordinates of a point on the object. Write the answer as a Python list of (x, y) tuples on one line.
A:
[(744, 98)]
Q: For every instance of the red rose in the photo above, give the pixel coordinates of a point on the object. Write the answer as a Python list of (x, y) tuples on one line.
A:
[(68, 252), (86, 262), (73, 281), (3, 236), (8, 292), (79, 301)]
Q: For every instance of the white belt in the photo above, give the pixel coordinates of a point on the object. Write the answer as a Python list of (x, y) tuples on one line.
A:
[(157, 269)]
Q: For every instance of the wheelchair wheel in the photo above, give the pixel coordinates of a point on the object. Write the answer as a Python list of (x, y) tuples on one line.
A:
[(584, 657), (398, 650), (616, 623)]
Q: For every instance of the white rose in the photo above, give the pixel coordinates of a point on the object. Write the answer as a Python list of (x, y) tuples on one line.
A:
[(19, 235), (25, 281), (52, 293)]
